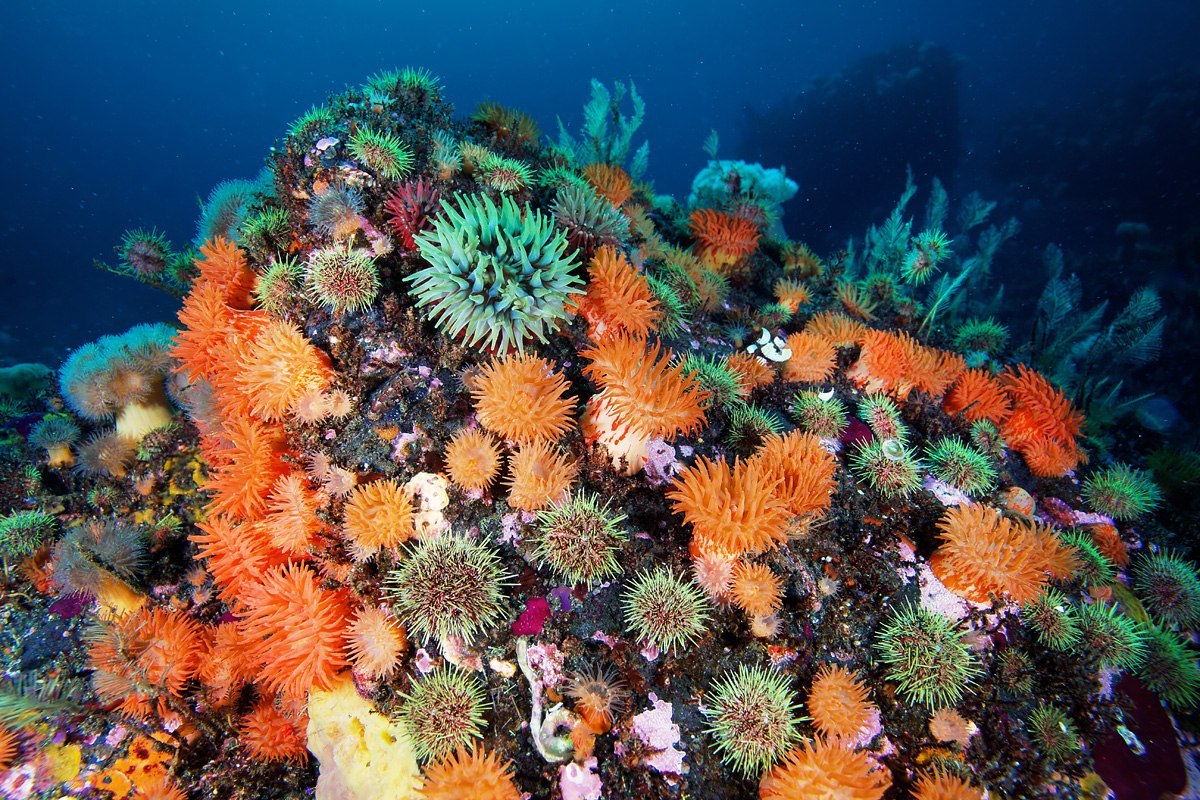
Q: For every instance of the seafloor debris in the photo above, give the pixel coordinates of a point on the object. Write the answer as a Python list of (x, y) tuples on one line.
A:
[(476, 471)]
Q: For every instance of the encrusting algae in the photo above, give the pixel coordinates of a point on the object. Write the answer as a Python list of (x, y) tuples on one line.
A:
[(476, 469)]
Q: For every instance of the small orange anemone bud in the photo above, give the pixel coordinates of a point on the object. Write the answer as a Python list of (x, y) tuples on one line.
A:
[(791, 294), (540, 475), (610, 182), (469, 775), (599, 696), (805, 470), (983, 552), (268, 735), (523, 399), (472, 459), (295, 630), (375, 642), (975, 396), (941, 785), (813, 358), (1109, 542), (159, 786), (837, 329), (825, 770), (757, 590), (378, 515), (713, 572), (291, 520), (279, 369), (722, 239), (618, 297), (732, 510), (838, 703)]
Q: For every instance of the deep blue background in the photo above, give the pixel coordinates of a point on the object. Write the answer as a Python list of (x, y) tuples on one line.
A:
[(122, 114)]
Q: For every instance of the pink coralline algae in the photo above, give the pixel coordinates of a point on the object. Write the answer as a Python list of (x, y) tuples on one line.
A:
[(580, 781), (548, 660), (655, 729)]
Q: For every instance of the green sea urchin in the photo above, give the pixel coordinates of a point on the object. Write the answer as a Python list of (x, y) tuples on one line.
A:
[(752, 718), (888, 467), (1121, 492), (382, 153), (954, 462), (579, 538), (926, 656), (443, 711), (1169, 588), (665, 610), (342, 279)]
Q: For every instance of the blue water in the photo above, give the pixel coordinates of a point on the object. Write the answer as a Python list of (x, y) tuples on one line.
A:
[(122, 115)]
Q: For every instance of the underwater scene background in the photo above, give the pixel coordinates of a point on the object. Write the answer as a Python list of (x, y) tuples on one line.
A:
[(577, 401)]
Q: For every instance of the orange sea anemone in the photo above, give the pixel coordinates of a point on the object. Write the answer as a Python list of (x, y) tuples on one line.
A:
[(523, 399), (837, 329), (472, 459), (713, 572), (839, 704), (984, 553), (237, 554), (644, 391), (825, 770), (539, 475), (977, 395), (893, 362), (618, 298), (1043, 425), (732, 510), (791, 294), (167, 646), (722, 239), (375, 642), (750, 370), (278, 370), (378, 515), (268, 735), (159, 786), (1109, 542), (291, 518), (599, 696), (295, 630), (223, 667), (610, 182), (804, 469), (756, 589), (244, 464), (469, 775), (223, 264), (857, 302), (9, 746), (813, 358), (941, 785)]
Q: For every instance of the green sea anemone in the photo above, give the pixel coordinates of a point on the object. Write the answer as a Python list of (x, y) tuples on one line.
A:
[(674, 313), (926, 656), (987, 438), (1053, 620), (267, 232), (1121, 492), (590, 221), (580, 539), (342, 279), (1113, 639), (954, 462), (1170, 670), (888, 467), (1169, 588), (882, 416), (448, 586), (980, 336), (929, 249), (665, 610), (443, 711), (752, 717), (1053, 732), (223, 213), (819, 415), (496, 276), (384, 154)]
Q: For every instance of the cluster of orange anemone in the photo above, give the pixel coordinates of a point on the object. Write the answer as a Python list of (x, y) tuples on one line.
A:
[(723, 239), (894, 362)]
